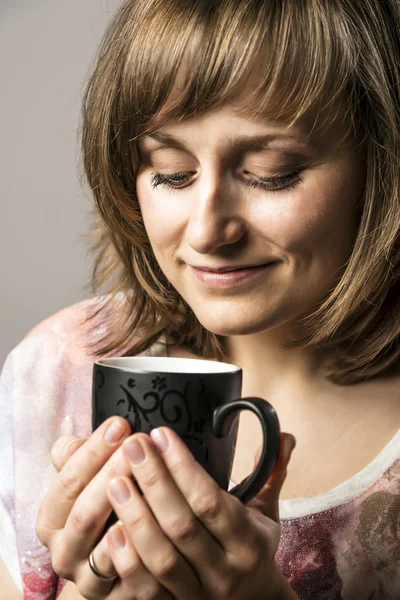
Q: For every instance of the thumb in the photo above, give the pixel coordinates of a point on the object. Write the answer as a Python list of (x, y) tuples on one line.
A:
[(267, 499), (64, 448)]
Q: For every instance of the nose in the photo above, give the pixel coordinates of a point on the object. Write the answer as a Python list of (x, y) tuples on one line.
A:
[(215, 220)]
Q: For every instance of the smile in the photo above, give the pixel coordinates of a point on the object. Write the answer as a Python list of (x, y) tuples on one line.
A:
[(228, 279)]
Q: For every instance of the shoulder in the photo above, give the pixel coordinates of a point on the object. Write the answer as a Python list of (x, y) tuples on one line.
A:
[(69, 321), (50, 361), (63, 318), (47, 375), (68, 331)]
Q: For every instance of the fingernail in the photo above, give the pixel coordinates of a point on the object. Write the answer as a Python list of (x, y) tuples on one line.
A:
[(135, 452), (72, 448), (114, 432), (117, 537), (120, 491), (160, 439)]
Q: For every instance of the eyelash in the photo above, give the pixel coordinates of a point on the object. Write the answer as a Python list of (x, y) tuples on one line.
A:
[(284, 182)]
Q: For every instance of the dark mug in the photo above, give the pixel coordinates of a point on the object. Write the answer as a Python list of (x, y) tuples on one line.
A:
[(199, 399)]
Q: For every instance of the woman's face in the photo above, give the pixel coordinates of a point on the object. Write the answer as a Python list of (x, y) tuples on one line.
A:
[(251, 221)]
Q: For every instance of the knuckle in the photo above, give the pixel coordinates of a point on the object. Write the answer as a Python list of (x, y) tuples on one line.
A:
[(61, 565), (85, 588), (207, 508), (71, 484), (237, 508), (95, 454), (250, 561), (134, 521), (150, 592), (152, 479), (225, 587), (81, 520), (116, 465), (111, 470), (181, 465), (102, 560), (183, 530), (130, 570), (167, 567)]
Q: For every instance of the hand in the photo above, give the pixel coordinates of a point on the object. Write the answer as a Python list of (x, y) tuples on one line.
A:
[(73, 513), (228, 549)]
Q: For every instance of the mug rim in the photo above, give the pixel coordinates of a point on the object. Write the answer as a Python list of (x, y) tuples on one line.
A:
[(112, 363)]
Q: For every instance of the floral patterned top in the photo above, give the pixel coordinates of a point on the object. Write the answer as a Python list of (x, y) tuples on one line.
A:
[(344, 544)]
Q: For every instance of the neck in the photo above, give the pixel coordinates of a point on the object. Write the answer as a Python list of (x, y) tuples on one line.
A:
[(270, 367)]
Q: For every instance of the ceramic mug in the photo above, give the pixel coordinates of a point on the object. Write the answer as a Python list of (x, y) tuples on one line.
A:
[(199, 399)]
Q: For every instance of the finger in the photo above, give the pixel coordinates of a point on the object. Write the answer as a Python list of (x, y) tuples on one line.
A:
[(102, 559), (288, 443), (267, 500), (172, 511), (91, 510), (77, 473), (135, 579), (220, 513), (88, 583), (155, 550), (64, 448)]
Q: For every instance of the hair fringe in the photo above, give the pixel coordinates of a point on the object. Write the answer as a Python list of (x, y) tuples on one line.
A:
[(334, 58)]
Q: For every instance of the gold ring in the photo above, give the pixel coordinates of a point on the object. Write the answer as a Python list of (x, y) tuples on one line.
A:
[(92, 565)]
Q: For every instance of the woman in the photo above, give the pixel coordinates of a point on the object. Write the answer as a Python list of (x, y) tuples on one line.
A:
[(244, 160)]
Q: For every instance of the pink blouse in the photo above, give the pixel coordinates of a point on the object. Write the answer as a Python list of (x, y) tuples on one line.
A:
[(344, 544)]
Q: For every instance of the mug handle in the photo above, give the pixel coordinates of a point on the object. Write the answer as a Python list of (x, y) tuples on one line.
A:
[(223, 418)]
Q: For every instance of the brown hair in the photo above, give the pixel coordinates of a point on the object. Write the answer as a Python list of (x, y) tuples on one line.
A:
[(311, 56)]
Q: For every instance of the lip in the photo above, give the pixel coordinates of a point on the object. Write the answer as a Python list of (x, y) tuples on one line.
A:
[(229, 268), (235, 276)]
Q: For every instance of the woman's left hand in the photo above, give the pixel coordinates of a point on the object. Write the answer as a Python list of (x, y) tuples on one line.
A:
[(230, 547)]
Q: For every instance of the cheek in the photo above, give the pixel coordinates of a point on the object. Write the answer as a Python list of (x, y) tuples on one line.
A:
[(319, 218), (163, 218)]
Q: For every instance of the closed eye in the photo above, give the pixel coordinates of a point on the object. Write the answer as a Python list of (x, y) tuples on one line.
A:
[(274, 184), (178, 181)]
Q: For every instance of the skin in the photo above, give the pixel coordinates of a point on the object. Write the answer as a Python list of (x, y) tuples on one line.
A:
[(225, 549), (216, 218)]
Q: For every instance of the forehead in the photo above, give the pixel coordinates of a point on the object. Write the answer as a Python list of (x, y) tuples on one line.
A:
[(240, 127)]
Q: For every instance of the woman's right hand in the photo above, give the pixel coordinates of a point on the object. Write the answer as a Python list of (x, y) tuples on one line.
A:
[(75, 510)]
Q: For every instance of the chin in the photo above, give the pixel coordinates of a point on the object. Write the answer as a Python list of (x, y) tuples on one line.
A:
[(242, 322)]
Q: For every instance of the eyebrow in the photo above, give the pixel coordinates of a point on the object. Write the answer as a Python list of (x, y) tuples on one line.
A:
[(239, 143)]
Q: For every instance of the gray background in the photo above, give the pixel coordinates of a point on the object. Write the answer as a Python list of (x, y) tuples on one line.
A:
[(46, 49)]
